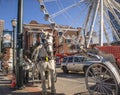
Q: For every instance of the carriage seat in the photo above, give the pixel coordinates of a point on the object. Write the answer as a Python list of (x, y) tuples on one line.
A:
[(107, 57)]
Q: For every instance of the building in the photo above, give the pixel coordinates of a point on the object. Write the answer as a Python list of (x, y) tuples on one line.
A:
[(7, 49), (1, 25), (66, 44), (1, 32), (6, 44)]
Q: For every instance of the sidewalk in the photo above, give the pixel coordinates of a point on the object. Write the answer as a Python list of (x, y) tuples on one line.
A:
[(64, 86), (28, 90)]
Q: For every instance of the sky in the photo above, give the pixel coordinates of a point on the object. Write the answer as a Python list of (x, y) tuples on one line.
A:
[(8, 11), (31, 11), (74, 17)]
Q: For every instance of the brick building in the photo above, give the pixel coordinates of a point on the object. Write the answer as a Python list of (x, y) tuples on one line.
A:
[(7, 52), (1, 25), (1, 32), (65, 44)]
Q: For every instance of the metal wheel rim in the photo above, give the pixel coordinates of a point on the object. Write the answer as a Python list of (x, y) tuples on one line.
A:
[(100, 80)]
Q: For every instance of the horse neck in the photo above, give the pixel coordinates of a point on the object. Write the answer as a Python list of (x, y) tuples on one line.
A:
[(42, 52), (36, 52)]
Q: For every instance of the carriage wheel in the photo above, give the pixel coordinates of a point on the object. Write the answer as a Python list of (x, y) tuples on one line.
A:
[(100, 80)]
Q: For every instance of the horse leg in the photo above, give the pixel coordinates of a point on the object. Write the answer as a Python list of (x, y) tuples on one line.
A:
[(43, 81), (49, 79), (44, 90), (33, 80), (53, 90), (33, 72)]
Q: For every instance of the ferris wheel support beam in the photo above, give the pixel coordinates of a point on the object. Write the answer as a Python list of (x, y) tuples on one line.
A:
[(86, 24), (113, 30), (111, 9), (87, 20), (101, 23), (65, 9), (116, 5), (77, 18), (93, 22), (46, 0), (49, 0), (106, 35), (114, 14)]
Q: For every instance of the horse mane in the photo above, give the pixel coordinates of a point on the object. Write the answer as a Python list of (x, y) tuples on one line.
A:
[(35, 54)]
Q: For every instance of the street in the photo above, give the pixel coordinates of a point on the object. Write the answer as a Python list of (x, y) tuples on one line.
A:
[(70, 84), (67, 84)]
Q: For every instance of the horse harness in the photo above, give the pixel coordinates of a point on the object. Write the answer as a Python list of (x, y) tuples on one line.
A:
[(47, 56)]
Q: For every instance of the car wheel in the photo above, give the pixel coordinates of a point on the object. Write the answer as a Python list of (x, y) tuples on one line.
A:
[(65, 70)]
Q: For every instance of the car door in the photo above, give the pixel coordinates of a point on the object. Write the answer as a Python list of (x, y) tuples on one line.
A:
[(78, 63), (70, 63)]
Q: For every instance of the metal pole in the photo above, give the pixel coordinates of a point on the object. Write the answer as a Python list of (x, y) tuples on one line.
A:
[(14, 22), (14, 51), (0, 43), (101, 26), (19, 65)]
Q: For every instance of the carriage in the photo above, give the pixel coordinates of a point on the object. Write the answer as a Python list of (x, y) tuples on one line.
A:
[(104, 78)]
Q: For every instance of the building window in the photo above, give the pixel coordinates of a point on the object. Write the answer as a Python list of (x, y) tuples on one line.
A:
[(74, 37), (60, 34), (34, 39), (60, 40), (68, 40)]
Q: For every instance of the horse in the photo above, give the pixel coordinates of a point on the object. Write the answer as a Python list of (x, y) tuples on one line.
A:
[(45, 59)]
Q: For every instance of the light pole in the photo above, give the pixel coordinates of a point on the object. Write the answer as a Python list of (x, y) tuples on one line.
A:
[(14, 23), (19, 64)]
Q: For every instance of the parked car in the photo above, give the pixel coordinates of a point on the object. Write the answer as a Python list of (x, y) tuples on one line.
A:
[(77, 63)]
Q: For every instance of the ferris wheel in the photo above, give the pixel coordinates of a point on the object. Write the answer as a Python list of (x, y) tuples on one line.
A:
[(98, 19)]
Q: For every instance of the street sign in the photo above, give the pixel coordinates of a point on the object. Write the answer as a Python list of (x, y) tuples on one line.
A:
[(7, 39)]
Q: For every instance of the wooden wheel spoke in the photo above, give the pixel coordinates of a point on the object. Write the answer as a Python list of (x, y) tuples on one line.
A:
[(92, 74), (109, 84), (101, 81)]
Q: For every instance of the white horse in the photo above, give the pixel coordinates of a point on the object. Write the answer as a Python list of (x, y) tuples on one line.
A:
[(46, 63)]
